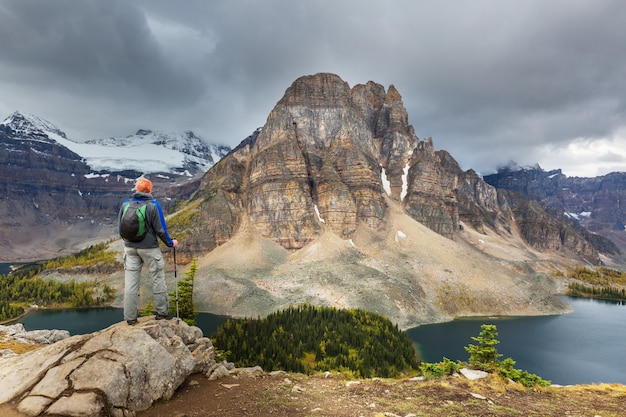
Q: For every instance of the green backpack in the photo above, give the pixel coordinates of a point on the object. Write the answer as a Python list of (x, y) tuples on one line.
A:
[(133, 224)]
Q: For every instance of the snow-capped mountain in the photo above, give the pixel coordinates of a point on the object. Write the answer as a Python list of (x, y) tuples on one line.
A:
[(58, 195), (144, 152), (32, 127)]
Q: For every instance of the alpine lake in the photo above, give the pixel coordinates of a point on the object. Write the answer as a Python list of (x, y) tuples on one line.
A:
[(583, 347)]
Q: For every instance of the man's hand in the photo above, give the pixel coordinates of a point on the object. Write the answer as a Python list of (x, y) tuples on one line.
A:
[(174, 243)]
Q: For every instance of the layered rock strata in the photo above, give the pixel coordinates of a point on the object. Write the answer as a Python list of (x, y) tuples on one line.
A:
[(327, 159)]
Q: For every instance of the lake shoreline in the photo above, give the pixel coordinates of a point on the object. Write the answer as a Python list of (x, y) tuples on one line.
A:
[(487, 317), (547, 346)]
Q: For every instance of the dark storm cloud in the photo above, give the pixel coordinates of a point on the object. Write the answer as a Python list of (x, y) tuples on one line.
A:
[(491, 81), (91, 46), (96, 57)]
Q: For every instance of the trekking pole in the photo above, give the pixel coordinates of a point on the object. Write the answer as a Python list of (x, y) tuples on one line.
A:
[(176, 280)]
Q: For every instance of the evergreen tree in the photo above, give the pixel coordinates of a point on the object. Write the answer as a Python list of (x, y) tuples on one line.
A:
[(484, 356), (148, 310), (186, 310)]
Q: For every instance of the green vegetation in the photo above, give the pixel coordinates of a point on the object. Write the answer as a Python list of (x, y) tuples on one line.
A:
[(186, 309), (601, 284), (439, 369), (9, 311), (148, 310), (605, 293), (94, 259), (25, 285), (184, 218), (484, 356), (600, 276), (308, 339)]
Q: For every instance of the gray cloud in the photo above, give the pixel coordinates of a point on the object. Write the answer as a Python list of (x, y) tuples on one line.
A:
[(491, 82)]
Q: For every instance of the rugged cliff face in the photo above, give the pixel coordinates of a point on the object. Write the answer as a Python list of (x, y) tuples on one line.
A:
[(320, 160), (329, 157), (584, 213)]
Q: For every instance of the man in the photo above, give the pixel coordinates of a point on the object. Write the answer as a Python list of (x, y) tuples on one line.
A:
[(146, 251)]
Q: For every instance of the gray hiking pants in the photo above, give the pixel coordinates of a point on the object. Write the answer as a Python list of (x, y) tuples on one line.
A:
[(133, 260)]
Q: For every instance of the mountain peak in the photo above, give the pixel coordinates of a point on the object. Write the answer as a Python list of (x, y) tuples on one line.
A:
[(33, 127)]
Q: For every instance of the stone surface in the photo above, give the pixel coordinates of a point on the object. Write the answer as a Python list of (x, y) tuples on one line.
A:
[(19, 333), (473, 374), (117, 371)]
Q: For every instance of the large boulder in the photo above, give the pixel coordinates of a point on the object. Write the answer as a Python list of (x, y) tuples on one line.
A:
[(114, 372)]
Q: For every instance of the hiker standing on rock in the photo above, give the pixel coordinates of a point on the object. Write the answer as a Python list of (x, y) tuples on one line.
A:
[(141, 221)]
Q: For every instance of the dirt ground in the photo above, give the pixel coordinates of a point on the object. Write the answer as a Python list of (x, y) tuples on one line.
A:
[(281, 394)]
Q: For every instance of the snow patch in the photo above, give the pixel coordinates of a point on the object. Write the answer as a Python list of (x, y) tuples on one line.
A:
[(400, 235), (92, 175), (385, 181), (318, 214), (405, 184), (578, 216)]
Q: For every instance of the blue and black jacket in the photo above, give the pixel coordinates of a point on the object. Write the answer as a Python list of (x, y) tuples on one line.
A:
[(155, 223)]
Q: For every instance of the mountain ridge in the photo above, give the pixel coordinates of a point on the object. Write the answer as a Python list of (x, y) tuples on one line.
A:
[(145, 149), (593, 203)]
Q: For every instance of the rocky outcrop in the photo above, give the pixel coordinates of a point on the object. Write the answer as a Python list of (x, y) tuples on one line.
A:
[(114, 372), (18, 333), (316, 163), (324, 159), (314, 151), (431, 198)]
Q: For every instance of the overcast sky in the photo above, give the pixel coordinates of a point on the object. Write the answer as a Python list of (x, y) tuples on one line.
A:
[(491, 81)]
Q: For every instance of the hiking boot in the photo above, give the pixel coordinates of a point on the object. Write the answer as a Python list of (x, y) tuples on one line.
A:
[(163, 316), (131, 322)]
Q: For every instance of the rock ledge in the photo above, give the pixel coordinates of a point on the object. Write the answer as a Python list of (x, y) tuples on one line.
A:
[(114, 372)]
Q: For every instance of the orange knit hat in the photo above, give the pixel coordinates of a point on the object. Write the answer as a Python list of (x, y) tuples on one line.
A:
[(144, 185)]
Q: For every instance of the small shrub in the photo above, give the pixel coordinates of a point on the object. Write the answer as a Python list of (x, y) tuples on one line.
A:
[(507, 370), (439, 369)]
